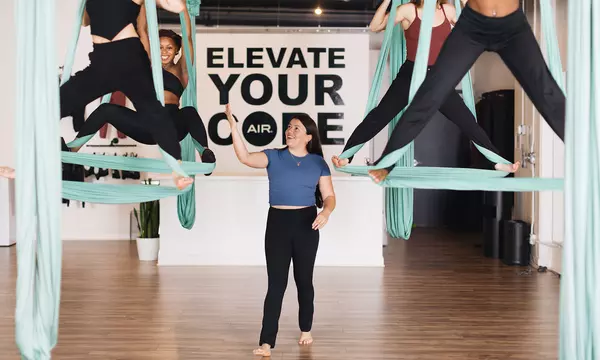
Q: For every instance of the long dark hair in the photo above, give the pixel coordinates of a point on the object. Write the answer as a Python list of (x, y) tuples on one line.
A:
[(313, 147)]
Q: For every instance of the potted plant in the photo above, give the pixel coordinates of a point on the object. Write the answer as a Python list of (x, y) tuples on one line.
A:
[(148, 220)]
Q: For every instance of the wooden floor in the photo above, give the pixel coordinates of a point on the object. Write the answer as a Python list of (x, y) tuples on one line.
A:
[(438, 298)]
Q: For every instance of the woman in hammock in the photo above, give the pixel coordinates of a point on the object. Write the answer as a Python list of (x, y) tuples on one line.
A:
[(299, 183), (175, 75), (396, 97), (119, 61), (485, 25)]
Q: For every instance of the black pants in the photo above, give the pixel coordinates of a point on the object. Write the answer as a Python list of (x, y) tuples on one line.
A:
[(396, 98), (122, 65), (511, 37), (130, 122), (289, 236)]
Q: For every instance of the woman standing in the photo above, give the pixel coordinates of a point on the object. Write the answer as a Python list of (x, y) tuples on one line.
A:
[(396, 98), (299, 183)]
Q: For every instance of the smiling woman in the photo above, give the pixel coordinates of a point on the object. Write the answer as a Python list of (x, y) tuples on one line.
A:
[(299, 183)]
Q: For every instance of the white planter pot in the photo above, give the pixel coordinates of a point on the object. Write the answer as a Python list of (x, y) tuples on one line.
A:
[(147, 249)]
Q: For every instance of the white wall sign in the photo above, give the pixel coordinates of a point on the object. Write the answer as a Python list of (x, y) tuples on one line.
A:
[(267, 78)]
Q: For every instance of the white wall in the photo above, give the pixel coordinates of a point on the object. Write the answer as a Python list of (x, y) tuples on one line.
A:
[(547, 213), (489, 74), (552, 213), (7, 74)]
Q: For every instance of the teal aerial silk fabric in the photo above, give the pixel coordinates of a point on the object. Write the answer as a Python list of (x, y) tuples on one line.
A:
[(398, 201), (437, 176), (580, 280), (38, 183), (186, 203)]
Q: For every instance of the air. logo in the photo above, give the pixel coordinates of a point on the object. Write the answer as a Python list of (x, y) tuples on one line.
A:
[(259, 128)]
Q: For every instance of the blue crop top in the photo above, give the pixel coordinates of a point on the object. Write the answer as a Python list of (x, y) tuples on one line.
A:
[(292, 184)]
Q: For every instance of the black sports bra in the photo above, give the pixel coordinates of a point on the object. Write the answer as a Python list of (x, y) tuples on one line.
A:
[(109, 17), (172, 83)]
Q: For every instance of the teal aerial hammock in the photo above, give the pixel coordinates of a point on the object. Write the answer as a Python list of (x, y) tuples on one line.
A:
[(124, 194), (186, 203), (580, 278), (405, 175)]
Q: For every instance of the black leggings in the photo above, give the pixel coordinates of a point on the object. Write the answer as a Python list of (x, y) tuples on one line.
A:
[(511, 37), (396, 98), (130, 122), (289, 235), (122, 65)]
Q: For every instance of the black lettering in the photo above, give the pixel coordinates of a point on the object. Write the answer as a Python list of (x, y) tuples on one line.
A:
[(225, 88), (252, 56), (324, 127), (211, 56), (321, 89), (333, 57), (302, 90), (231, 59), (276, 63), (297, 58), (285, 121), (267, 89), (213, 130), (317, 55)]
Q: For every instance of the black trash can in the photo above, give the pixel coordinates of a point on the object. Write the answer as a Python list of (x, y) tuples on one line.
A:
[(497, 207), (516, 247)]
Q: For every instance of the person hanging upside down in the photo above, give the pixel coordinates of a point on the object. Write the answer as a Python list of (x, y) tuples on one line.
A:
[(175, 76), (119, 61), (299, 183), (485, 25), (396, 98)]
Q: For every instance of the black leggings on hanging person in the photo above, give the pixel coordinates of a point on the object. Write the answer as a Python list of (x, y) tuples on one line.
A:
[(131, 123), (122, 65), (396, 99), (512, 38)]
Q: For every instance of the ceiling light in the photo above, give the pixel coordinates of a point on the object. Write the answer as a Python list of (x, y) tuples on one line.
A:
[(318, 11)]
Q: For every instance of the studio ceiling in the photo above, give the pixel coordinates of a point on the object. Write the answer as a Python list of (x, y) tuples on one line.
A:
[(284, 13)]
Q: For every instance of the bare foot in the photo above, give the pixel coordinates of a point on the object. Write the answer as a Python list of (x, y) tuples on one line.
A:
[(182, 182), (7, 172), (264, 350), (339, 162), (305, 338), (378, 175), (510, 168)]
